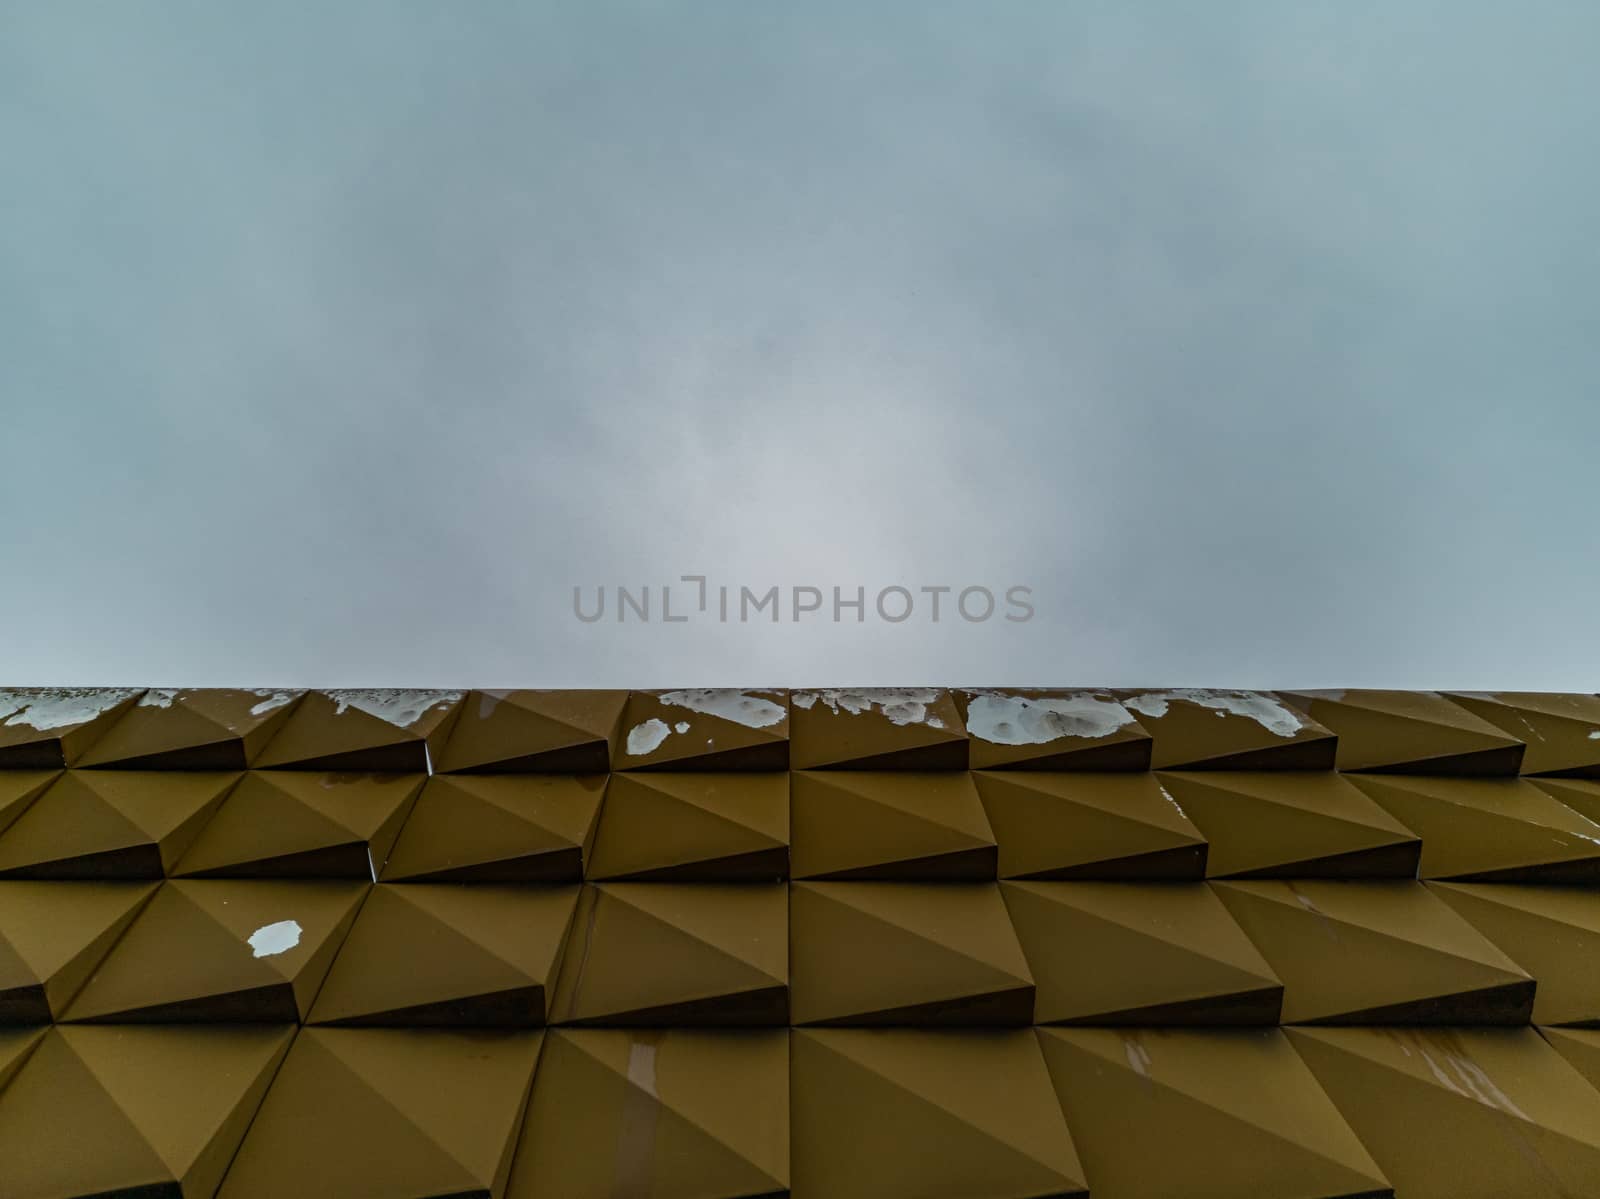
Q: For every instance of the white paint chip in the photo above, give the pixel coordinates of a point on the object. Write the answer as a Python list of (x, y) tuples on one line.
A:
[(1594, 735), (48, 708), (647, 737), (397, 706), (271, 700), (1266, 710), (272, 939), (681, 727), (158, 697), (1138, 1056), (902, 705), (1020, 720), (727, 703)]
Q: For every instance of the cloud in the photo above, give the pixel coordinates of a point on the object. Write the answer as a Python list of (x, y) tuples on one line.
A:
[(345, 344)]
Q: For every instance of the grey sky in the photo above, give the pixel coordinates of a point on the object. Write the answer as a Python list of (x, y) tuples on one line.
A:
[(341, 341)]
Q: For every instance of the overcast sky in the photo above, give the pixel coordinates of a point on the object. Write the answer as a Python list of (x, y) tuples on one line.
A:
[(341, 341)]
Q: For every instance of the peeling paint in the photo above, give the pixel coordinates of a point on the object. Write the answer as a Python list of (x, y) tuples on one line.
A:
[(1021, 720), (902, 705), (1594, 735), (1138, 1056), (158, 697), (1266, 710), (1172, 799), (397, 706), (681, 727), (727, 703), (647, 737), (271, 700), (50, 708), (272, 939)]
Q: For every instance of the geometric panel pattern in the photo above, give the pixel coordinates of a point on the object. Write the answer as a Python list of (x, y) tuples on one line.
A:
[(1467, 1113), (1411, 732), (289, 824), (1292, 824), (42, 727), (719, 827), (547, 732), (163, 1108), (1491, 829), (690, 954), (1118, 953), (1004, 941), (1199, 729), (372, 729), (454, 955), (1237, 1111), (909, 825), (705, 729), (194, 728), (1051, 730), (111, 824), (529, 828), (913, 1111), (1090, 826), (906, 953), (1551, 932), (53, 936), (386, 1111), (216, 951), (657, 1112), (1561, 732), (1377, 953), (877, 728)]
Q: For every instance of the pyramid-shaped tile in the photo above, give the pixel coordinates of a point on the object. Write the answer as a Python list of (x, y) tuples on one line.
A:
[(372, 729), (19, 788), (1089, 826), (1215, 1112), (193, 728), (886, 1113), (511, 732), (208, 950), (526, 828), (650, 954), (1580, 1047), (1292, 824), (717, 827), (1562, 731), (16, 1047), (705, 729), (1376, 953), (111, 824), (1138, 954), (906, 953), (1201, 729), (1466, 1113), (291, 824), (659, 1112), (52, 936), (1581, 795), (1410, 732), (388, 1113), (44, 727), (1551, 932), (1491, 829), (441, 954), (1013, 729), (877, 728), (901, 824), (134, 1111)]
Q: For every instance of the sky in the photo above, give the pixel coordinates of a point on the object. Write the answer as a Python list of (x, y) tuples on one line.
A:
[(341, 342)]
